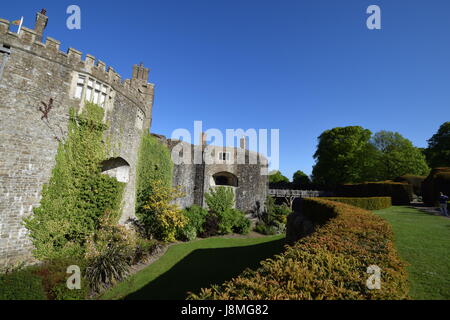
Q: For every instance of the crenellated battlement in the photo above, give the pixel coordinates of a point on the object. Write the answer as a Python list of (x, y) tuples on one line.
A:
[(136, 89)]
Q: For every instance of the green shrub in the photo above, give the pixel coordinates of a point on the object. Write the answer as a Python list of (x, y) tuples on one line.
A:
[(220, 202), (220, 199), (160, 215), (107, 268), (330, 264), (144, 249), (273, 219), (77, 194), (438, 181), (21, 285), (241, 225), (109, 254), (376, 203), (210, 227), (401, 193), (196, 218), (265, 229)]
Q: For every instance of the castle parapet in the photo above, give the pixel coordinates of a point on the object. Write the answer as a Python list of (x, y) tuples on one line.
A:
[(137, 89)]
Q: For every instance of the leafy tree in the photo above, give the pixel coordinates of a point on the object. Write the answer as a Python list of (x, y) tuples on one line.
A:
[(344, 155), (438, 152), (277, 177), (301, 179), (397, 156)]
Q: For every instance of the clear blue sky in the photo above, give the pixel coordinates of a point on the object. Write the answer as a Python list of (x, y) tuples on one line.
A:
[(298, 66)]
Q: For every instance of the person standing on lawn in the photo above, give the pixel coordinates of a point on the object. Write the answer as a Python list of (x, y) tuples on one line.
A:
[(443, 199)]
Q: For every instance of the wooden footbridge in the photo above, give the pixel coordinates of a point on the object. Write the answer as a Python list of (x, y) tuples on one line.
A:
[(291, 195)]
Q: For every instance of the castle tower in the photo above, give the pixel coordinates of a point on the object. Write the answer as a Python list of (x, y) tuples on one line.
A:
[(41, 24), (140, 74), (139, 81)]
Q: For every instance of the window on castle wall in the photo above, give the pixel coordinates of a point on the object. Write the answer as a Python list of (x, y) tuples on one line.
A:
[(96, 95), (80, 87), (90, 88), (224, 156), (140, 120)]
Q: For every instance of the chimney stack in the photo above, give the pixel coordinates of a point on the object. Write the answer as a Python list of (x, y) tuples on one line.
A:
[(243, 143), (41, 24), (203, 139)]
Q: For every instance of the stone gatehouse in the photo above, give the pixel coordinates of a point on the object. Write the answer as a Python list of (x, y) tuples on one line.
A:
[(238, 168)]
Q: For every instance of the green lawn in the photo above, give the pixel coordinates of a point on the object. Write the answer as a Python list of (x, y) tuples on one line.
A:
[(423, 241), (195, 265)]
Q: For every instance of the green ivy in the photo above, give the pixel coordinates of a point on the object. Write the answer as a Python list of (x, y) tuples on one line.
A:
[(77, 195), (154, 164)]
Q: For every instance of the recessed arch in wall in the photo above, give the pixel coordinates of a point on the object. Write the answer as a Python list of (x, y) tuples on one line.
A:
[(117, 168)]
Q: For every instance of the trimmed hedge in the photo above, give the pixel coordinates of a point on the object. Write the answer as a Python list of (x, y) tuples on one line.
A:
[(374, 203), (414, 181), (438, 181), (401, 193), (331, 264)]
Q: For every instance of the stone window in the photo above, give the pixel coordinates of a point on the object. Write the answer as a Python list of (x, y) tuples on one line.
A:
[(89, 89), (5, 51), (140, 119), (80, 87), (224, 156), (225, 179)]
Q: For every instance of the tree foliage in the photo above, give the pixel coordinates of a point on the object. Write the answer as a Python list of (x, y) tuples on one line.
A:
[(277, 177), (343, 155), (301, 179), (352, 155), (438, 151), (397, 156)]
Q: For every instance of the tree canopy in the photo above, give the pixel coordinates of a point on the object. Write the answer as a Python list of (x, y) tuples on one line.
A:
[(343, 155), (352, 155), (301, 179), (438, 151), (397, 156), (277, 177)]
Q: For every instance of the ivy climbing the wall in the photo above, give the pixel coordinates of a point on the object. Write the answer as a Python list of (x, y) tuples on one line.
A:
[(155, 164), (154, 168), (77, 195)]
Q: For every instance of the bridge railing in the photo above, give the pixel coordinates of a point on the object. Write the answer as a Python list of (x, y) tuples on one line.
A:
[(280, 193)]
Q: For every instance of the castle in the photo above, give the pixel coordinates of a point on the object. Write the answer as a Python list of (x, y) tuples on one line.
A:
[(34, 73)]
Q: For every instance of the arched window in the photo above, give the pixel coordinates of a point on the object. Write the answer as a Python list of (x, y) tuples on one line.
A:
[(117, 168), (225, 179)]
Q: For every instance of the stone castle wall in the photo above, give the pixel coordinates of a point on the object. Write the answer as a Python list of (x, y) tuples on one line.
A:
[(197, 179), (32, 72)]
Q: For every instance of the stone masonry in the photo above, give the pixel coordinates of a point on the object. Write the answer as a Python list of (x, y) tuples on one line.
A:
[(245, 177), (32, 72)]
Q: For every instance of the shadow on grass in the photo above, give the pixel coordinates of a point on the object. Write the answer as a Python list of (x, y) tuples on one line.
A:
[(205, 267)]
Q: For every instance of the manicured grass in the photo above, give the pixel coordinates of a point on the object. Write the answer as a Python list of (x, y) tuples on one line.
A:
[(423, 241), (192, 266)]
